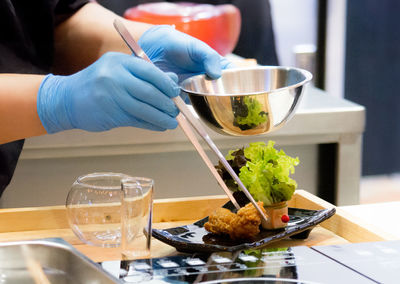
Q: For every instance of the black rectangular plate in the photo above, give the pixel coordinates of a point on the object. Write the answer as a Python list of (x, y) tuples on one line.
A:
[(195, 238)]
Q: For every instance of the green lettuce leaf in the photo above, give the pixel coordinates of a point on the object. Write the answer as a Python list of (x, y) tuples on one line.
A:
[(264, 171), (248, 113)]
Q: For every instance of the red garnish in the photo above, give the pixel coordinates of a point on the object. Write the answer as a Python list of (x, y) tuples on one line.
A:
[(285, 218)]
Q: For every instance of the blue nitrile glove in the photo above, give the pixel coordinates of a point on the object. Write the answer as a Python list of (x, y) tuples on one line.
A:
[(117, 90), (173, 51)]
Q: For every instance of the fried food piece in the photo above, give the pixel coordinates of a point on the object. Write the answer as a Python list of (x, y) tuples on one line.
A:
[(247, 222), (219, 222), (243, 225)]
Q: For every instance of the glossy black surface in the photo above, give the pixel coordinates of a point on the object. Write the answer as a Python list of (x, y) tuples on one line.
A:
[(194, 238), (278, 266), (379, 261)]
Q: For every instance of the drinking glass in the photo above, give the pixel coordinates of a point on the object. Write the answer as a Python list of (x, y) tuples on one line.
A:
[(136, 217), (94, 208)]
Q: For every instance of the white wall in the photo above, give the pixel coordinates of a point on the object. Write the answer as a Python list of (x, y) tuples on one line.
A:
[(295, 23), (336, 47)]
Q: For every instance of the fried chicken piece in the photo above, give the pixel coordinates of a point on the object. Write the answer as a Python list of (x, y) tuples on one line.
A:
[(247, 222), (219, 222), (243, 225)]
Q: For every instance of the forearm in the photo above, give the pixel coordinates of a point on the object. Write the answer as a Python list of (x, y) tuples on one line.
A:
[(87, 35), (18, 114)]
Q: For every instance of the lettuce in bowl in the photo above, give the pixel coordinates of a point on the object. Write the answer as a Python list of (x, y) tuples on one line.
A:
[(263, 170)]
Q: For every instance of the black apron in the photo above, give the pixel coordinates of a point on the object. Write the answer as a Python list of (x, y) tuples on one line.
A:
[(26, 46)]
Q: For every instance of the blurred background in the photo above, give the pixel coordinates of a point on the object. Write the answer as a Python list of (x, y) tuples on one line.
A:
[(353, 50), (351, 47)]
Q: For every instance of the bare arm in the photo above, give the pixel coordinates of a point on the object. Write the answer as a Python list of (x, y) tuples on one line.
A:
[(80, 40), (18, 115), (87, 35)]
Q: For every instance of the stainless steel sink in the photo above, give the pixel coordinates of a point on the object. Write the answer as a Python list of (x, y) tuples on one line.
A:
[(48, 261)]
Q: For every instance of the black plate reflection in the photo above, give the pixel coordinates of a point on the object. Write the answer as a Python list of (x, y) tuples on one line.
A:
[(194, 238)]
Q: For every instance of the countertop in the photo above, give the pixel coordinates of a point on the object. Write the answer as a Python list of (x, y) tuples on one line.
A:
[(49, 164), (320, 118), (49, 222), (383, 215)]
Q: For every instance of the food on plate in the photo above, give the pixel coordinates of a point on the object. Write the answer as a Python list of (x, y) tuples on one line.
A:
[(219, 222), (263, 170), (245, 224)]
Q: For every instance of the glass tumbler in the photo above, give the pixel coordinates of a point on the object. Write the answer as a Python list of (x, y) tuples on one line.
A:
[(136, 217), (94, 208)]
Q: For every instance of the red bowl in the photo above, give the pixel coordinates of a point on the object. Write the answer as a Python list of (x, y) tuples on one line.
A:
[(216, 25)]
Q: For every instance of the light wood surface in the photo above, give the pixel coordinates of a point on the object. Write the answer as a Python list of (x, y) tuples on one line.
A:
[(383, 215), (343, 223), (47, 222)]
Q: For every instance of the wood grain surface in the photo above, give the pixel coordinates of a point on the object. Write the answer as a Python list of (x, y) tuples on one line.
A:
[(49, 222)]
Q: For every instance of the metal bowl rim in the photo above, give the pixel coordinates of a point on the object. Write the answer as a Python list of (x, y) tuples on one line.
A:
[(307, 74)]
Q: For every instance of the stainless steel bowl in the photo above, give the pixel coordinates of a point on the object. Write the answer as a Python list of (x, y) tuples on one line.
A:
[(247, 101)]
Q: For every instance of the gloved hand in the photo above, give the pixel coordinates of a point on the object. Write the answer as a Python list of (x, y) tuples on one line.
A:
[(116, 90), (173, 51)]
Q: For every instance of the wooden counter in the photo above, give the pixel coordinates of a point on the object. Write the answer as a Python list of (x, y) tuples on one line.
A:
[(384, 215), (48, 222)]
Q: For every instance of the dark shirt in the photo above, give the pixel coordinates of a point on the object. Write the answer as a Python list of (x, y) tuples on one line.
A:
[(26, 46)]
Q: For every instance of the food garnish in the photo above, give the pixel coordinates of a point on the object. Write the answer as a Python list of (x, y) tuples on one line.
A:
[(263, 170)]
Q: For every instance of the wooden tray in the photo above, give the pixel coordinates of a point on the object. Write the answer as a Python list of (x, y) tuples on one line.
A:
[(51, 221)]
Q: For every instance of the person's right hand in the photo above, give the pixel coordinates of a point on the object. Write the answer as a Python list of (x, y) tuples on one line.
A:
[(117, 90)]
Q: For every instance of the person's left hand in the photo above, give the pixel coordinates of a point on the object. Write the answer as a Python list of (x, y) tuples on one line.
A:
[(174, 51)]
